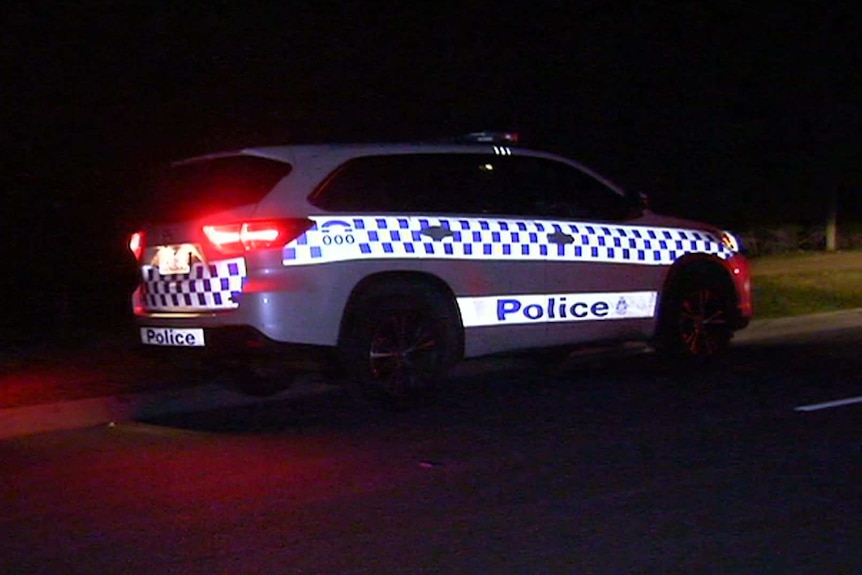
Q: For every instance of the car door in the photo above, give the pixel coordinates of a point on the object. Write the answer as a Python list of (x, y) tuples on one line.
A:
[(446, 216), (599, 284)]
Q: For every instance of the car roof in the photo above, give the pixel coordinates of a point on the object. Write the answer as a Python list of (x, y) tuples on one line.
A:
[(322, 156), (313, 162), (342, 152)]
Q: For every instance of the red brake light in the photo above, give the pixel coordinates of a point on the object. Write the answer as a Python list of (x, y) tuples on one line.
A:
[(258, 235), (136, 244)]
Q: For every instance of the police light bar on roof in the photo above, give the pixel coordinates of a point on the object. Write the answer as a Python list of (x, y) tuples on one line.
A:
[(490, 138)]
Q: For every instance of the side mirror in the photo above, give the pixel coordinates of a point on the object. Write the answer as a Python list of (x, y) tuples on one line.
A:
[(637, 202)]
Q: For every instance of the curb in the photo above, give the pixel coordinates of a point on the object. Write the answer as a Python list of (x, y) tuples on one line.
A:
[(92, 412), (98, 411), (763, 329)]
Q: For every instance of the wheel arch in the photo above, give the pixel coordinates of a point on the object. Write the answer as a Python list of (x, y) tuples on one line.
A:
[(691, 266), (367, 285)]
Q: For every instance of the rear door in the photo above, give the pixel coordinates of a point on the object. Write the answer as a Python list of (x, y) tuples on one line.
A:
[(446, 215)]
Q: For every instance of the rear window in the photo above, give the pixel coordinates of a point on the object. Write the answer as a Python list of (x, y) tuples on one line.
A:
[(201, 187)]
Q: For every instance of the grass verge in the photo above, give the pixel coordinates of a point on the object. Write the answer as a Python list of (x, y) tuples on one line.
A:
[(798, 284)]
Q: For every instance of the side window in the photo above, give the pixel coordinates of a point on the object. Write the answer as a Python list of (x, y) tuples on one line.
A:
[(501, 191), (433, 183), (364, 185), (458, 183), (556, 189)]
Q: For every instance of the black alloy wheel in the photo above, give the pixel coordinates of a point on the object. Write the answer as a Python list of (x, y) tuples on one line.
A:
[(403, 356), (403, 338), (696, 323), (704, 329)]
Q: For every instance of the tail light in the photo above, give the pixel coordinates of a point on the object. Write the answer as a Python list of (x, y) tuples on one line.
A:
[(258, 235), (136, 244)]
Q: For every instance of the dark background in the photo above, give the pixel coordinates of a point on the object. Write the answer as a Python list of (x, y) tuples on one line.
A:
[(743, 114)]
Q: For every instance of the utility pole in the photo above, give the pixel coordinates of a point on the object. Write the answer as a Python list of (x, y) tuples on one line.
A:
[(832, 220)]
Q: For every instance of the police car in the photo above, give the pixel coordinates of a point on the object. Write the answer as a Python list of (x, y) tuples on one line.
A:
[(402, 259)]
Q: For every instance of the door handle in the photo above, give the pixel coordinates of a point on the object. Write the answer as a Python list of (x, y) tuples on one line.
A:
[(437, 233), (561, 238)]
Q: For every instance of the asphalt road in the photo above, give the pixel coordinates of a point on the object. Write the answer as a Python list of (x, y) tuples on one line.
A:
[(615, 465)]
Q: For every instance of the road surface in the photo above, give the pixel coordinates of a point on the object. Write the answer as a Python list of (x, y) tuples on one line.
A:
[(615, 465)]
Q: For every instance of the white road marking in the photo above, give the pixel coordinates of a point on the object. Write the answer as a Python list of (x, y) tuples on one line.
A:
[(829, 404)]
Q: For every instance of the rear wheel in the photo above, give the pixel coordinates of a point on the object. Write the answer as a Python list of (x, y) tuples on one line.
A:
[(402, 338), (696, 323)]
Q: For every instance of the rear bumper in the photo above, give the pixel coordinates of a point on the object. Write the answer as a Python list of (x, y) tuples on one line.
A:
[(260, 328), (290, 317), (243, 346)]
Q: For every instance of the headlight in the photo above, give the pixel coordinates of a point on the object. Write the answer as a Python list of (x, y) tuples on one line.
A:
[(732, 242)]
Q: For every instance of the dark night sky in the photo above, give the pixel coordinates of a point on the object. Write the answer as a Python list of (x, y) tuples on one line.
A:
[(682, 94), (732, 111)]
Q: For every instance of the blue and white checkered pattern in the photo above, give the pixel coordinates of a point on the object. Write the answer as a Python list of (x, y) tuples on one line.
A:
[(211, 286), (333, 239)]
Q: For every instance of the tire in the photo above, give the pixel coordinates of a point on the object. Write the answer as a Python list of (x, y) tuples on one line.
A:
[(401, 339), (696, 321)]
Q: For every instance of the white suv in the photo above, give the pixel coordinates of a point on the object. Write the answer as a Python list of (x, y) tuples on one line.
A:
[(405, 258)]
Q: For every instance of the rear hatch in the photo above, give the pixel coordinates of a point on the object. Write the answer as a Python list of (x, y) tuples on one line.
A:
[(198, 222)]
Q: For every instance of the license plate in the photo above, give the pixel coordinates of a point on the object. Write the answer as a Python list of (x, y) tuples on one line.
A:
[(171, 337), (177, 259)]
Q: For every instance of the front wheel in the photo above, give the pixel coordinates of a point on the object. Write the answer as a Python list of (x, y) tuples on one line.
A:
[(696, 323), (402, 338)]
